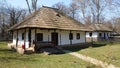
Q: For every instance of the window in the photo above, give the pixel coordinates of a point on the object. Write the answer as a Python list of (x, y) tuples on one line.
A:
[(78, 36), (39, 36), (90, 34), (22, 36), (71, 36), (107, 34), (100, 34), (104, 35)]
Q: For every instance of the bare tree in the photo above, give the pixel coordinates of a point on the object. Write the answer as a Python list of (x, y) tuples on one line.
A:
[(8, 17), (28, 6), (88, 21), (97, 8), (61, 6), (117, 24), (16, 15), (82, 6), (73, 10), (3, 18), (32, 6)]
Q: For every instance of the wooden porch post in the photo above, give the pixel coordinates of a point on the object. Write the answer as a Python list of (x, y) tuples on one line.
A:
[(35, 41), (35, 36), (12, 33), (85, 37), (25, 37), (17, 39), (29, 36), (60, 37), (70, 39), (48, 36)]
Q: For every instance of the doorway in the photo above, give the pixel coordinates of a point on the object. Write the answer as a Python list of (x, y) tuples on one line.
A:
[(54, 38)]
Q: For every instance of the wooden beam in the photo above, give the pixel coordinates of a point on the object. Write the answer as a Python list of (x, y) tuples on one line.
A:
[(12, 33), (85, 37), (48, 36), (35, 36), (29, 36), (70, 39), (54, 30), (60, 38), (17, 39), (25, 37)]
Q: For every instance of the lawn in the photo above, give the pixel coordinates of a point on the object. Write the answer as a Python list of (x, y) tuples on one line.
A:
[(11, 59), (109, 53)]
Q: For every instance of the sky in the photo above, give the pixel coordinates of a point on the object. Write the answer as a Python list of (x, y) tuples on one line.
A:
[(49, 3)]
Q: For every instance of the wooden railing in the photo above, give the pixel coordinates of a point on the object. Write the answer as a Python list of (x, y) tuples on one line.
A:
[(42, 44)]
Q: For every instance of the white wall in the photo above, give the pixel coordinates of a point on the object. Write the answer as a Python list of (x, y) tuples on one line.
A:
[(26, 39), (14, 37), (82, 37), (64, 39), (20, 41), (63, 36), (94, 34), (47, 36)]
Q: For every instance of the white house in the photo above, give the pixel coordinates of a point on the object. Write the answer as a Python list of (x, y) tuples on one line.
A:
[(99, 32), (48, 25)]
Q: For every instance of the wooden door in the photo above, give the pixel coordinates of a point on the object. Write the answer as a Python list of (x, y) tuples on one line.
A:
[(54, 38)]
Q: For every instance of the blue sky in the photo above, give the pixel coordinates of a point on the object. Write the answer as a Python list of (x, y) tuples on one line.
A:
[(22, 3)]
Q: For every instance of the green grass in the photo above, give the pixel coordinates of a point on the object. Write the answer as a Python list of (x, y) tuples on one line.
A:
[(11, 59), (109, 53)]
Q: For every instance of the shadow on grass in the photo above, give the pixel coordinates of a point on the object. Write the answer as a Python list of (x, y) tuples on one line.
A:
[(98, 45), (75, 48)]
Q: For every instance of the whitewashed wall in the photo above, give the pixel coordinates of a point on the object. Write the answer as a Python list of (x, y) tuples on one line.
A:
[(82, 37), (20, 41), (47, 36), (63, 36), (26, 39), (64, 39), (94, 34), (14, 37)]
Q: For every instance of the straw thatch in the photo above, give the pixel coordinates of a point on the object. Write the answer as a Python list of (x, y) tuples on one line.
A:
[(50, 18), (100, 27)]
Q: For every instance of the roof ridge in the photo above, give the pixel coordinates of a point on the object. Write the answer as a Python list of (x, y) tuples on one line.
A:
[(49, 7)]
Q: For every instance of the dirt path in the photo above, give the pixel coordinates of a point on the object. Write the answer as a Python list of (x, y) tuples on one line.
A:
[(91, 60)]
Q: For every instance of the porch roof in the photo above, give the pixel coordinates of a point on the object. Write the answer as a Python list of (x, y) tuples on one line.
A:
[(50, 18)]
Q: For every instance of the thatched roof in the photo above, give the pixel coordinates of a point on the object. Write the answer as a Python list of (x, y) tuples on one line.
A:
[(100, 27), (50, 18)]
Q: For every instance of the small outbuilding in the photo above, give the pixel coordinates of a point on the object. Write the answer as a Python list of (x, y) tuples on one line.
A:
[(99, 32)]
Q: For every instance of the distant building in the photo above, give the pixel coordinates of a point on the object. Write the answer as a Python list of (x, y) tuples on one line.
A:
[(99, 32)]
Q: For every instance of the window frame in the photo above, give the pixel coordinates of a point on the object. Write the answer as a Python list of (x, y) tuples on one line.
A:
[(100, 34), (77, 35), (40, 38)]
